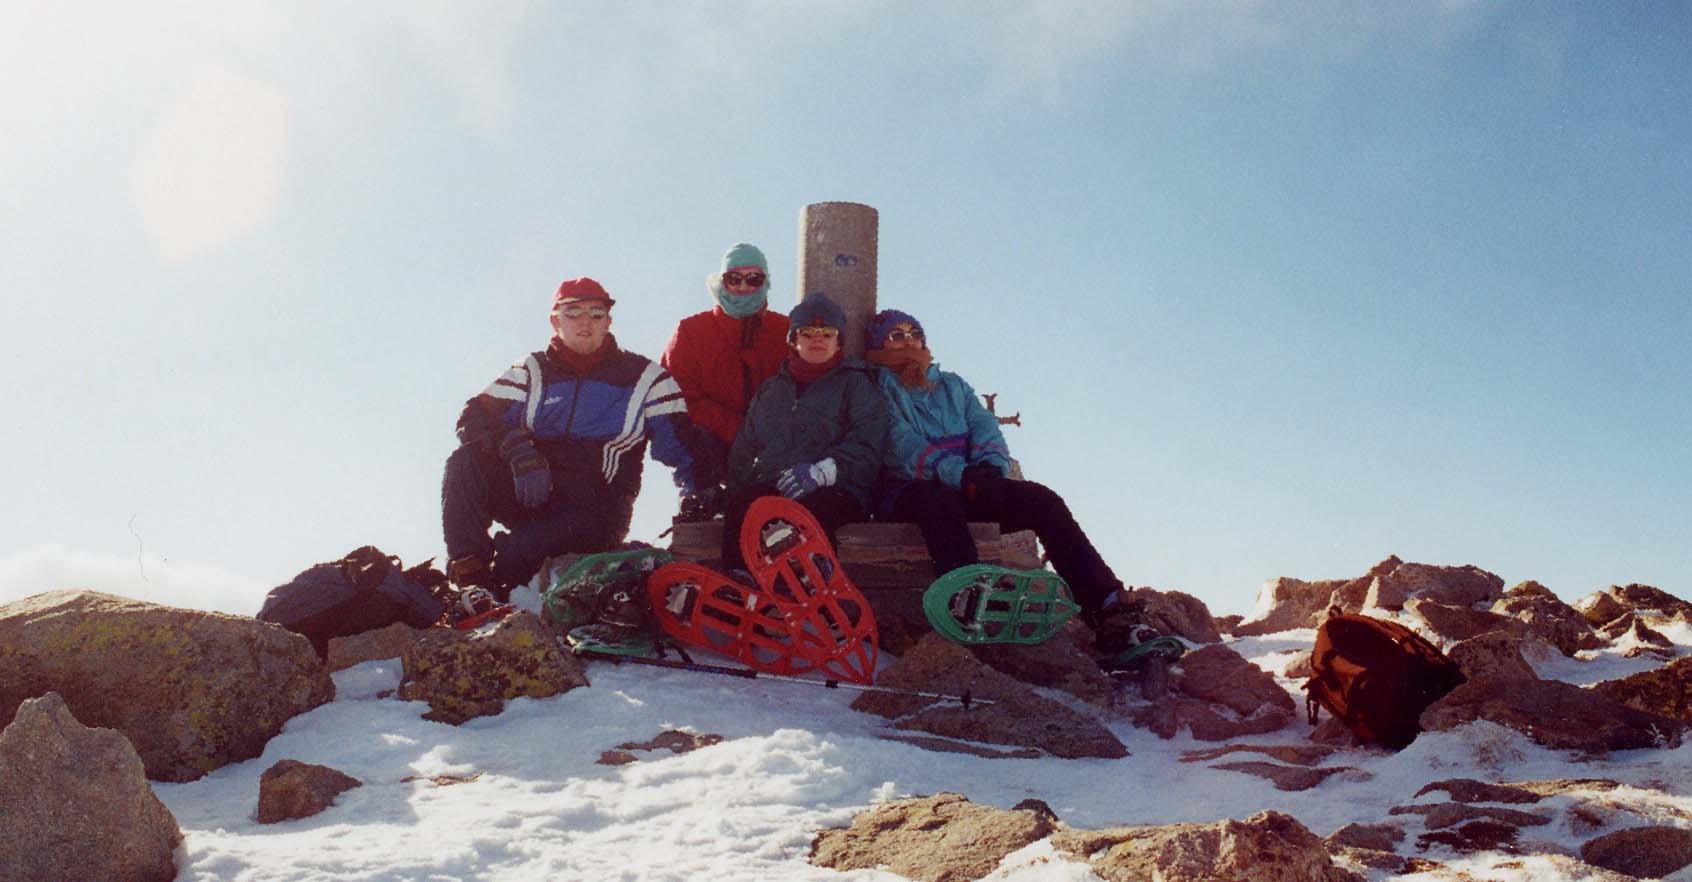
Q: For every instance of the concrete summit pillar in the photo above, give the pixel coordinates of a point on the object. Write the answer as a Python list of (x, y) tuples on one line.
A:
[(837, 256)]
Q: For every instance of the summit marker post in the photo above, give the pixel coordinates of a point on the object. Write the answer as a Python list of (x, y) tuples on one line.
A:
[(837, 257)]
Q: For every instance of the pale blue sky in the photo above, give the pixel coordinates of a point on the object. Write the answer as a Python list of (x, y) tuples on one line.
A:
[(1275, 292)]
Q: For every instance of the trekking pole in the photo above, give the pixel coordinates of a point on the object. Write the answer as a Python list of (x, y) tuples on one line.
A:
[(749, 674)]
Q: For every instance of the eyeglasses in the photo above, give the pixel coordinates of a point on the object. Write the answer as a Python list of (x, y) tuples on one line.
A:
[(902, 336), (756, 280), (577, 313), (819, 333)]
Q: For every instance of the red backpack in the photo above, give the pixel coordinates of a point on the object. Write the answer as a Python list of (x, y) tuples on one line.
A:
[(1377, 677)]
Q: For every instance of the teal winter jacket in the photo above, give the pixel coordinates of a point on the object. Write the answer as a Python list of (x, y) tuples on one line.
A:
[(842, 415), (934, 433)]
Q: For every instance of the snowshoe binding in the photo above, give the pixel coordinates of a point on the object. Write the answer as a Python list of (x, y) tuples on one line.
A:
[(1147, 643), (472, 608), (788, 554), (611, 640), (983, 603), (607, 588)]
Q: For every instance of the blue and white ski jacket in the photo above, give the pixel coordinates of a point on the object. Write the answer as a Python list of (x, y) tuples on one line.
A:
[(935, 432), (593, 429)]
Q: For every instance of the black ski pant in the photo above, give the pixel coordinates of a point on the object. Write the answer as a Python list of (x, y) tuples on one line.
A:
[(831, 506), (943, 515), (477, 491)]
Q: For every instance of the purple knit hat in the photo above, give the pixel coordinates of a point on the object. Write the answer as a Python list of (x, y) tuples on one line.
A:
[(884, 322)]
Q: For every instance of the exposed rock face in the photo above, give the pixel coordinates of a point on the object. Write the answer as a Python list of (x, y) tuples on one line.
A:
[(389, 642), (1602, 607), (1284, 603), (1470, 790), (291, 789), (1452, 623), (1645, 852), (1173, 612), (191, 690), (1457, 586), (1219, 696), (1266, 847), (1019, 717), (1061, 662), (940, 838), (1556, 714), (1493, 655), (75, 803), (464, 675), (1556, 622), (1666, 691)]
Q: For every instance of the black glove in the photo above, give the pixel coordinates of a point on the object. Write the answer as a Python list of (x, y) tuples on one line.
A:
[(700, 505), (980, 476), (531, 475)]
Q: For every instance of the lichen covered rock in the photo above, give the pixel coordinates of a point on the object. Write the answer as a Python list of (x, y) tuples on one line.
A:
[(464, 675)]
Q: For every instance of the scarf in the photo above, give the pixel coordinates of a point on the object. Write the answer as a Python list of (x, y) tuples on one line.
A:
[(581, 364), (804, 373), (909, 365)]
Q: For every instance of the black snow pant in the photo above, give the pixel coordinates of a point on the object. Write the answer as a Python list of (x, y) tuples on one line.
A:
[(477, 491), (943, 515), (831, 506)]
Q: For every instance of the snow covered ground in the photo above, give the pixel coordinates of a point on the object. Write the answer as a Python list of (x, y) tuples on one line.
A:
[(794, 760)]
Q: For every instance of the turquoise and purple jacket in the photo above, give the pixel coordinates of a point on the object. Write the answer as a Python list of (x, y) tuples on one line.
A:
[(935, 432)]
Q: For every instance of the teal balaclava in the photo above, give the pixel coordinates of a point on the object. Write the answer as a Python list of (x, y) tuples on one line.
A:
[(737, 305)]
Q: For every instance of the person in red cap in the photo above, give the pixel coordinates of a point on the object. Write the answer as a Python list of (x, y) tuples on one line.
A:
[(721, 356), (553, 449)]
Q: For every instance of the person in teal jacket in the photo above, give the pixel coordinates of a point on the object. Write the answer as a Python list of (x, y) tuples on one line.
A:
[(947, 464), (814, 432)]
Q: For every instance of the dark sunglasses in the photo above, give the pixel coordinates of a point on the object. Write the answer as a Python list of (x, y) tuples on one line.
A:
[(756, 280), (902, 336)]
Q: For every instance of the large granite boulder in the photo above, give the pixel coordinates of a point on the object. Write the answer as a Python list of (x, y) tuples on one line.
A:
[(1451, 623), (1642, 852), (381, 643), (1266, 847), (1544, 614), (469, 674), (1553, 713), (291, 789), (1218, 695), (1495, 654), (1666, 691), (1458, 586), (1284, 604), (1175, 613), (191, 690), (1018, 715), (75, 803), (1602, 607), (939, 838)]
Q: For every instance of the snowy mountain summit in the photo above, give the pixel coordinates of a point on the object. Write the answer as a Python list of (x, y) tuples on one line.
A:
[(1561, 758)]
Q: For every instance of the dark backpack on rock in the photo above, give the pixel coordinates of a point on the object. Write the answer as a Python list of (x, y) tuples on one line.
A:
[(1377, 677), (360, 592)]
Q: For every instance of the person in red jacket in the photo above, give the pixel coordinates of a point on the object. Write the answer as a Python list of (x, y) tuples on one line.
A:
[(721, 356)]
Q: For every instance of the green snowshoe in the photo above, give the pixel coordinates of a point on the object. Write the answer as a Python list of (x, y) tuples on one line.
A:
[(983, 603), (607, 588), (1147, 644)]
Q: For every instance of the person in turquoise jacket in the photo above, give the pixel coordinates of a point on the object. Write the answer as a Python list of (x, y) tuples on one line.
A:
[(947, 464), (814, 432)]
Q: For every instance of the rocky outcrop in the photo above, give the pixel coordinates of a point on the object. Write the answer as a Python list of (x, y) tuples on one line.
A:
[(1493, 655), (1018, 716), (1284, 604), (940, 838), (1603, 607), (382, 643), (464, 675), (191, 690), (1470, 790), (1457, 586), (75, 802), (1643, 852), (1218, 695), (1451, 623), (1266, 847), (291, 789), (1554, 621), (1175, 613), (1555, 714), (1060, 662), (1666, 691)]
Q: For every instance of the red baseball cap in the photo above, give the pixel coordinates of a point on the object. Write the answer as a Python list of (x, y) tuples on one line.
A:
[(582, 289)]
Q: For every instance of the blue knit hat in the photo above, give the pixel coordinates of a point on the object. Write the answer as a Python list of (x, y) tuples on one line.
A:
[(815, 311), (741, 306), (884, 322)]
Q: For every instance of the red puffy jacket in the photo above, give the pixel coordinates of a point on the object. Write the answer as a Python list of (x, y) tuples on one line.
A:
[(719, 361)]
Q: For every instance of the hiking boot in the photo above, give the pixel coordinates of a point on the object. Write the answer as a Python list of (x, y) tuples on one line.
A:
[(1118, 627)]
